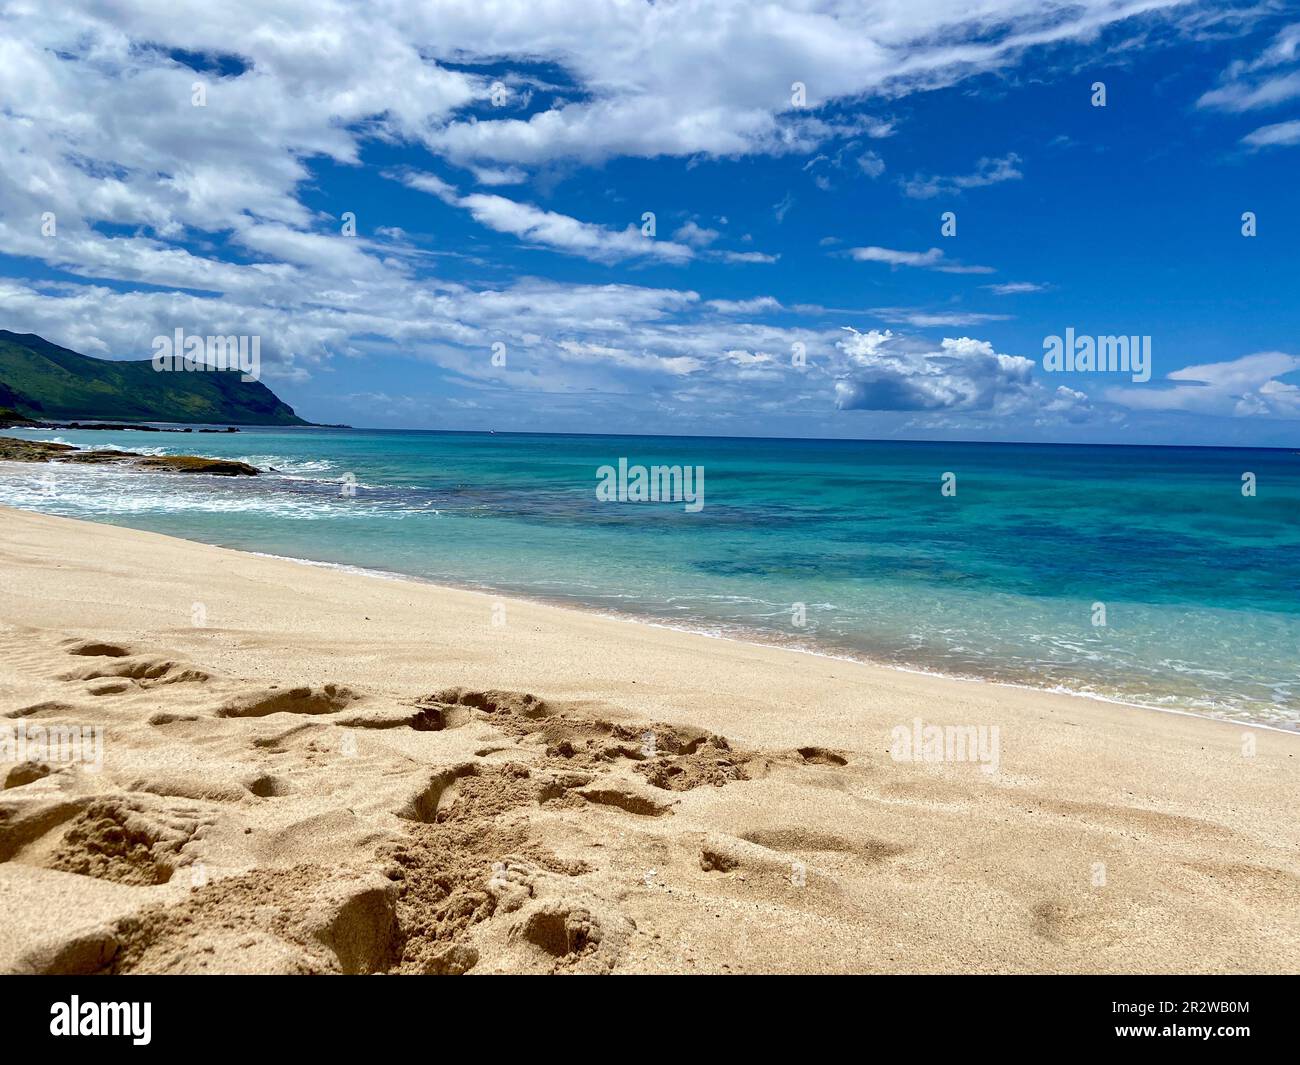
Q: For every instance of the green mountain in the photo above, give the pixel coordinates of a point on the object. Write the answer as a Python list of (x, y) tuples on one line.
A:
[(46, 382)]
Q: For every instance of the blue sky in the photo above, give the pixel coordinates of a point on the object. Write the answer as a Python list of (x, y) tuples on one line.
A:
[(499, 160)]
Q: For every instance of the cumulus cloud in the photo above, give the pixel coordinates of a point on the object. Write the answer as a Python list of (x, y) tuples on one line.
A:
[(963, 374), (695, 235), (210, 217), (562, 338), (884, 372)]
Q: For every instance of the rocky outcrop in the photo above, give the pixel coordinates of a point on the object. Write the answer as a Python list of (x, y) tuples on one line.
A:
[(15, 450), (193, 464)]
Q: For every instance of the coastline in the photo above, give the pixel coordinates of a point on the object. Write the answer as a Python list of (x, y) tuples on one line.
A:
[(906, 865), (895, 584), (754, 638), (989, 671)]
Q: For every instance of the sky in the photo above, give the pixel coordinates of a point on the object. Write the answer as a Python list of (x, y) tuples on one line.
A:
[(856, 219)]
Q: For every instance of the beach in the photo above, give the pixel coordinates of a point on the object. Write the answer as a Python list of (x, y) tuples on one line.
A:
[(305, 769), (1137, 574)]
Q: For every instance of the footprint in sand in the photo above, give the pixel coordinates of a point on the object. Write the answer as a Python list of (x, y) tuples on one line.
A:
[(144, 670), (50, 708), (821, 756), (129, 841), (95, 649), (799, 840), (326, 700)]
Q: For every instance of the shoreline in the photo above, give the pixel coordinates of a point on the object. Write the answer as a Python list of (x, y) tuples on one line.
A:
[(333, 772), (742, 634), (634, 619), (1158, 672)]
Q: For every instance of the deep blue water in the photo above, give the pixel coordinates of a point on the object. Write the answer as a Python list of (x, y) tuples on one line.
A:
[(1200, 584)]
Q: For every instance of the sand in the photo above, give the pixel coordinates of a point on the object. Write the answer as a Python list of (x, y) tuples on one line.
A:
[(306, 770)]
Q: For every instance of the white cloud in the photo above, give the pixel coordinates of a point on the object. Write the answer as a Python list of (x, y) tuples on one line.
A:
[(499, 175), (749, 358), (1266, 92), (171, 214), (695, 235), (884, 374), (1015, 288), (923, 319), (585, 351), (1280, 134), (553, 230), (827, 167), (745, 256), (963, 376), (650, 83), (562, 233), (1245, 88), (871, 164), (933, 259), (758, 305), (1246, 387), (550, 229), (876, 254), (430, 183), (987, 172), (562, 339)]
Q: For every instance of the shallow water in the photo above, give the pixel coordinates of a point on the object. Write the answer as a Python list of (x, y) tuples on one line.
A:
[(1003, 580)]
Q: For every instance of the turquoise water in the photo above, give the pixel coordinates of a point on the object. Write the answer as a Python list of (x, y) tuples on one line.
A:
[(1199, 583)]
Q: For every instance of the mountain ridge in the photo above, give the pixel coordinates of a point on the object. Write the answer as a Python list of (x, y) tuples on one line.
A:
[(44, 381)]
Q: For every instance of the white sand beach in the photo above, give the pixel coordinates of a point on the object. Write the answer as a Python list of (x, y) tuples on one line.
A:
[(309, 770)]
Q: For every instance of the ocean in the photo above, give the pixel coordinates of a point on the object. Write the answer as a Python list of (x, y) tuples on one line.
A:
[(1138, 574)]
